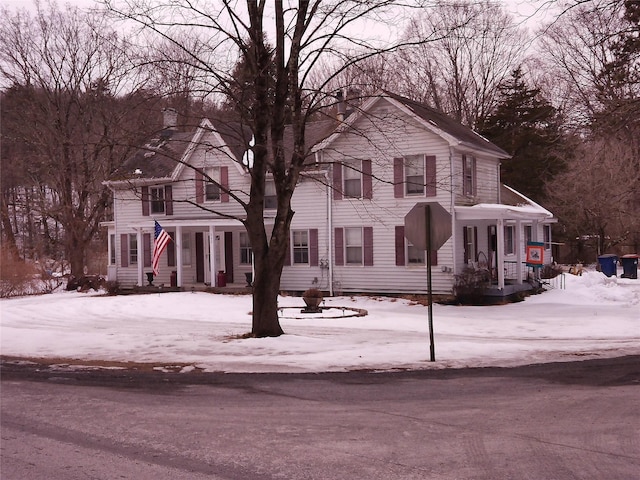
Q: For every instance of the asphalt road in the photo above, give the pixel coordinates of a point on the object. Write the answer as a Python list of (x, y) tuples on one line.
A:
[(559, 421)]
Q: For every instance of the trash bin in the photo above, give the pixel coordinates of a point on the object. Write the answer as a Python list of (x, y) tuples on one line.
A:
[(630, 265), (608, 264), (173, 279), (222, 279)]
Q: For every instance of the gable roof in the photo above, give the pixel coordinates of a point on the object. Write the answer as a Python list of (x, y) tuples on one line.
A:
[(453, 132), (163, 155), (464, 135), (155, 159)]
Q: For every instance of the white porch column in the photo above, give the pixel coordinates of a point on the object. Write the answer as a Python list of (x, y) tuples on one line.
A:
[(179, 254), (140, 246), (212, 255), (518, 241), (500, 252)]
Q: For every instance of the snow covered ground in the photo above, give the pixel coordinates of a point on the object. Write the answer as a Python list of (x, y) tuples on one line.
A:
[(594, 316)]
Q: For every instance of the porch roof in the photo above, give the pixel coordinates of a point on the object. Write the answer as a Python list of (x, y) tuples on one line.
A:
[(495, 211)]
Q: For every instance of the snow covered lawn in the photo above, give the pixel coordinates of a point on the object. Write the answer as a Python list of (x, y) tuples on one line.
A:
[(594, 316)]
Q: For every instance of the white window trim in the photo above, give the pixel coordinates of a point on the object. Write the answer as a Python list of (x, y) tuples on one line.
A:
[(353, 167), (214, 174), (510, 246), (133, 236), (153, 201), (246, 247), (347, 246), (294, 247), (407, 257), (409, 159), (270, 182), (187, 252), (468, 166)]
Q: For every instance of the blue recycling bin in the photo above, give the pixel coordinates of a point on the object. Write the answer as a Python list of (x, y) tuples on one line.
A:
[(630, 266), (608, 264)]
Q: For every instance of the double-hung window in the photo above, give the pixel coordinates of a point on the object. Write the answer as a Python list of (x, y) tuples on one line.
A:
[(353, 179), (157, 199), (186, 248), (300, 247), (468, 175), (112, 249), (353, 245), (509, 239), (414, 174), (470, 235), (546, 229), (528, 235), (270, 195), (133, 249), (246, 254), (212, 185)]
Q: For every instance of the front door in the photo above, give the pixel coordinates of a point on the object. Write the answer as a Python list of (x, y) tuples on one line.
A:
[(199, 257)]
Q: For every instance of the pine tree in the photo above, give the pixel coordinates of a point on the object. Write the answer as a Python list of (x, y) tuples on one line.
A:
[(527, 126)]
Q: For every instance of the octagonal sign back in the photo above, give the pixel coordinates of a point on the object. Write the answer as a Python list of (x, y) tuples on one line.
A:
[(415, 225)]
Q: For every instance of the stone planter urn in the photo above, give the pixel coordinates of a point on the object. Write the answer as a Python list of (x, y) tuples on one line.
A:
[(312, 299)]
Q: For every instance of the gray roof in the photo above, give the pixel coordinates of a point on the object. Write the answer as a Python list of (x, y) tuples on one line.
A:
[(159, 157)]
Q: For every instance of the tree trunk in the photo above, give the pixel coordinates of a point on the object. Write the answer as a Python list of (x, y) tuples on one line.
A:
[(75, 253), (265, 321), (9, 240)]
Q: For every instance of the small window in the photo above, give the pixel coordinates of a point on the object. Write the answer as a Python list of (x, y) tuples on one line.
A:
[(157, 199), (301, 246), (353, 179), (468, 173), (471, 244), (270, 196), (186, 248), (246, 254), (212, 186), (509, 239), (112, 249), (547, 236), (414, 174), (528, 235), (353, 245), (133, 249)]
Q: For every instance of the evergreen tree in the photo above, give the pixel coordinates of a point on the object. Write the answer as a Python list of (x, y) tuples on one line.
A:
[(527, 126)]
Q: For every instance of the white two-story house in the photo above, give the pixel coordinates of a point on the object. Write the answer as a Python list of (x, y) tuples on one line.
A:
[(364, 174)]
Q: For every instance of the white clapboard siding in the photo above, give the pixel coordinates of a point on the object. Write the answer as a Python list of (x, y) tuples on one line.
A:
[(382, 137), (309, 203)]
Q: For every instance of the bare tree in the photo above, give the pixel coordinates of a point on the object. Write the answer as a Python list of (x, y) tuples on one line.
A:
[(578, 46), (67, 71), (476, 45), (597, 197), (594, 62)]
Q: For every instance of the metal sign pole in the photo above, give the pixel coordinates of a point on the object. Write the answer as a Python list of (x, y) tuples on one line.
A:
[(427, 213)]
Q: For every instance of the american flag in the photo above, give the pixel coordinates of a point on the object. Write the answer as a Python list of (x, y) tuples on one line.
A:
[(162, 238)]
